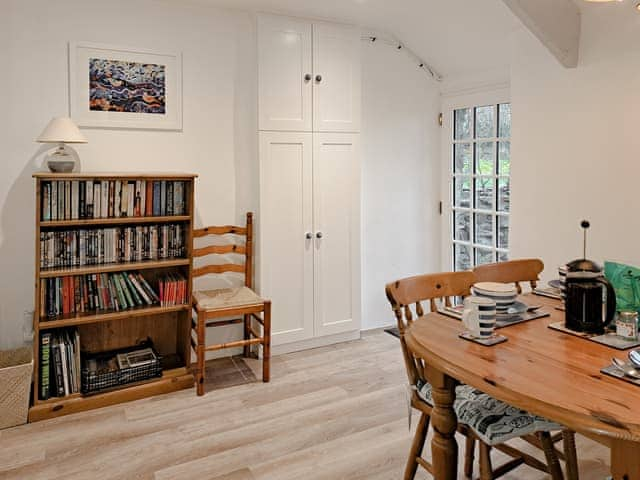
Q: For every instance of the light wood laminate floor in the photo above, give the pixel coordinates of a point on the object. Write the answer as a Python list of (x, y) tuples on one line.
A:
[(330, 413)]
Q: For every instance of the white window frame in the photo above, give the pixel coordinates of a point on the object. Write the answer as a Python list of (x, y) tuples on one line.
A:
[(449, 104)]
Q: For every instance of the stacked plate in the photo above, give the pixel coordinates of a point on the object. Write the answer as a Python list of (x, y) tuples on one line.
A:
[(502, 293)]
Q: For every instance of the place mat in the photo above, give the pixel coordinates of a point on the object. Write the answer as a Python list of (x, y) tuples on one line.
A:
[(609, 339), (615, 372), (501, 320), (549, 292), (487, 342)]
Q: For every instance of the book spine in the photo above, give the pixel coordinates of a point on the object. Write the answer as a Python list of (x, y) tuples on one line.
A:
[(132, 289), (45, 365), (57, 368), (148, 211), (67, 199), (143, 197), (112, 194), (163, 198), (89, 199), (82, 207), (104, 201), (117, 199), (131, 197), (75, 200), (123, 283), (97, 200), (156, 198), (170, 200)]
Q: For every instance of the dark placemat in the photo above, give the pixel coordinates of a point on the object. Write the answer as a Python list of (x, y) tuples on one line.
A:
[(609, 339), (501, 320), (615, 372), (487, 342)]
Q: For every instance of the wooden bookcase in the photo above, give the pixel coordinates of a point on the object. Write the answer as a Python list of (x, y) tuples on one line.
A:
[(168, 326)]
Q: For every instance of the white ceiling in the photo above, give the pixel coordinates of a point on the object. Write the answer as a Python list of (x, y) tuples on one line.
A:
[(454, 36)]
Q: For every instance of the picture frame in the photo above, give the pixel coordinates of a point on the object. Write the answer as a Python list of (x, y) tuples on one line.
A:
[(124, 88)]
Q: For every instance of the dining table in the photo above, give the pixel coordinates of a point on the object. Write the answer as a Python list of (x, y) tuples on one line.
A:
[(538, 369)]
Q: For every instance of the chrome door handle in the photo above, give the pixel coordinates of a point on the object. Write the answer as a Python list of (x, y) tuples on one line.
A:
[(308, 235), (318, 234)]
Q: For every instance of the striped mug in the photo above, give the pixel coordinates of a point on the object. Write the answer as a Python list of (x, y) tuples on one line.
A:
[(479, 316)]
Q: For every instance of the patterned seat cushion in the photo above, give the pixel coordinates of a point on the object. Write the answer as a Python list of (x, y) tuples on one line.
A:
[(226, 298), (491, 420)]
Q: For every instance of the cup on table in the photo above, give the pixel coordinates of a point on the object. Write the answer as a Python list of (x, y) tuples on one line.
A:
[(479, 316)]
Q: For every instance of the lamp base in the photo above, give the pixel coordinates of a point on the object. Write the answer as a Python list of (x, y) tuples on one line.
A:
[(61, 161)]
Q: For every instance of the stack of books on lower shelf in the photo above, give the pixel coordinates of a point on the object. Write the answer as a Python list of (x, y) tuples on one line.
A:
[(96, 292), (59, 363), (173, 289)]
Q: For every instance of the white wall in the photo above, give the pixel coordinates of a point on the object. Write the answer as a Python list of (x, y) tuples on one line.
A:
[(400, 176), (575, 144), (33, 82)]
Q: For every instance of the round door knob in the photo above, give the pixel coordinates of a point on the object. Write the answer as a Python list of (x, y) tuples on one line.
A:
[(319, 235), (318, 78), (308, 235), (307, 77)]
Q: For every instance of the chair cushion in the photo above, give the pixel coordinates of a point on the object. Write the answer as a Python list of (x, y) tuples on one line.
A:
[(491, 420), (226, 298)]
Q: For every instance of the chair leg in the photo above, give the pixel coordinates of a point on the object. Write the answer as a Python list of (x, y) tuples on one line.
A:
[(550, 454), (486, 470), (469, 455), (266, 345), (200, 355), (570, 455), (247, 335), (416, 447)]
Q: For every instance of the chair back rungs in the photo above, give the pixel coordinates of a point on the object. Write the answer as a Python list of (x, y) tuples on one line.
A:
[(244, 248)]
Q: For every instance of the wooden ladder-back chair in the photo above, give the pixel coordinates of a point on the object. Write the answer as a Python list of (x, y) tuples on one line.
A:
[(513, 271), (411, 299), (529, 270), (214, 307)]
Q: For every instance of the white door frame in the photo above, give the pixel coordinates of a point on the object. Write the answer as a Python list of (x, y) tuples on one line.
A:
[(449, 103)]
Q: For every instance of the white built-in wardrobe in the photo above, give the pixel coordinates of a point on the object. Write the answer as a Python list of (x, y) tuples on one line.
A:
[(309, 225)]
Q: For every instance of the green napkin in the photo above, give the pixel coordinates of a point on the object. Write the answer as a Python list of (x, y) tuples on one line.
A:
[(626, 283)]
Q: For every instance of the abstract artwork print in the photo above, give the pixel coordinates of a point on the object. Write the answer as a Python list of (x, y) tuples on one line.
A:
[(120, 86)]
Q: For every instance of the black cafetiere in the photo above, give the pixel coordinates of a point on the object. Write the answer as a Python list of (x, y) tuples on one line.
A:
[(586, 287)]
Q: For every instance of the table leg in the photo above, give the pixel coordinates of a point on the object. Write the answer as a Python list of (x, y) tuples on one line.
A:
[(444, 449), (625, 460)]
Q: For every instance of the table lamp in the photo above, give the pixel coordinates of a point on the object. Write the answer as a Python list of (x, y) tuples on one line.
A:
[(61, 130)]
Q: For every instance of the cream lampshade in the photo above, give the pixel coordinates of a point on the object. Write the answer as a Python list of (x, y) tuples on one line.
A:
[(61, 130)]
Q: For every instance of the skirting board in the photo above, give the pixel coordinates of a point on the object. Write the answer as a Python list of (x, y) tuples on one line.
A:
[(315, 343)]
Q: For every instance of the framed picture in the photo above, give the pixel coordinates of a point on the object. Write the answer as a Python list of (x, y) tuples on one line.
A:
[(120, 87)]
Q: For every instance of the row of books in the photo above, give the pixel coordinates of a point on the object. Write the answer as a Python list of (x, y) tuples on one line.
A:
[(70, 248), (59, 367), (80, 199), (95, 293), (172, 289)]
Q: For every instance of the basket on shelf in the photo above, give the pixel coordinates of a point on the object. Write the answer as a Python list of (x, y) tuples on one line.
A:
[(109, 375), (16, 367)]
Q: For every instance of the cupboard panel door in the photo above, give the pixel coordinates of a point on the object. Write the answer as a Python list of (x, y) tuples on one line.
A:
[(285, 219), (336, 82), (284, 59), (336, 214)]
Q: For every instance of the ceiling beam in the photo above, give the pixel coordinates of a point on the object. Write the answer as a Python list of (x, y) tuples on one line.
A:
[(556, 23)]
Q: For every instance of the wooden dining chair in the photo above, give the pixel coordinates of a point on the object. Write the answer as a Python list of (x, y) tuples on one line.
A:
[(227, 306), (517, 272), (512, 271), (480, 417)]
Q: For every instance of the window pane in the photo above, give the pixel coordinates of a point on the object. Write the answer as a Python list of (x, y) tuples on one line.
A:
[(503, 231), (462, 124), (485, 187), (484, 256), (462, 158), (462, 226), (504, 123), (462, 191), (484, 229), (485, 158), (503, 256), (461, 257), (504, 158), (485, 122), (504, 190)]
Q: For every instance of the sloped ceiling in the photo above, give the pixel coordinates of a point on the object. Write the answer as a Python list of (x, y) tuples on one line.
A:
[(454, 36)]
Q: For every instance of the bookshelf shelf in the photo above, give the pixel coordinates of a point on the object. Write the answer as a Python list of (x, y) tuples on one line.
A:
[(100, 331), (115, 221), (92, 317), (113, 267)]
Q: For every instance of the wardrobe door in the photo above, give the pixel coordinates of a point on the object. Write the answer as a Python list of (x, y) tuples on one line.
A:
[(336, 216), (336, 78), (285, 222), (284, 74)]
